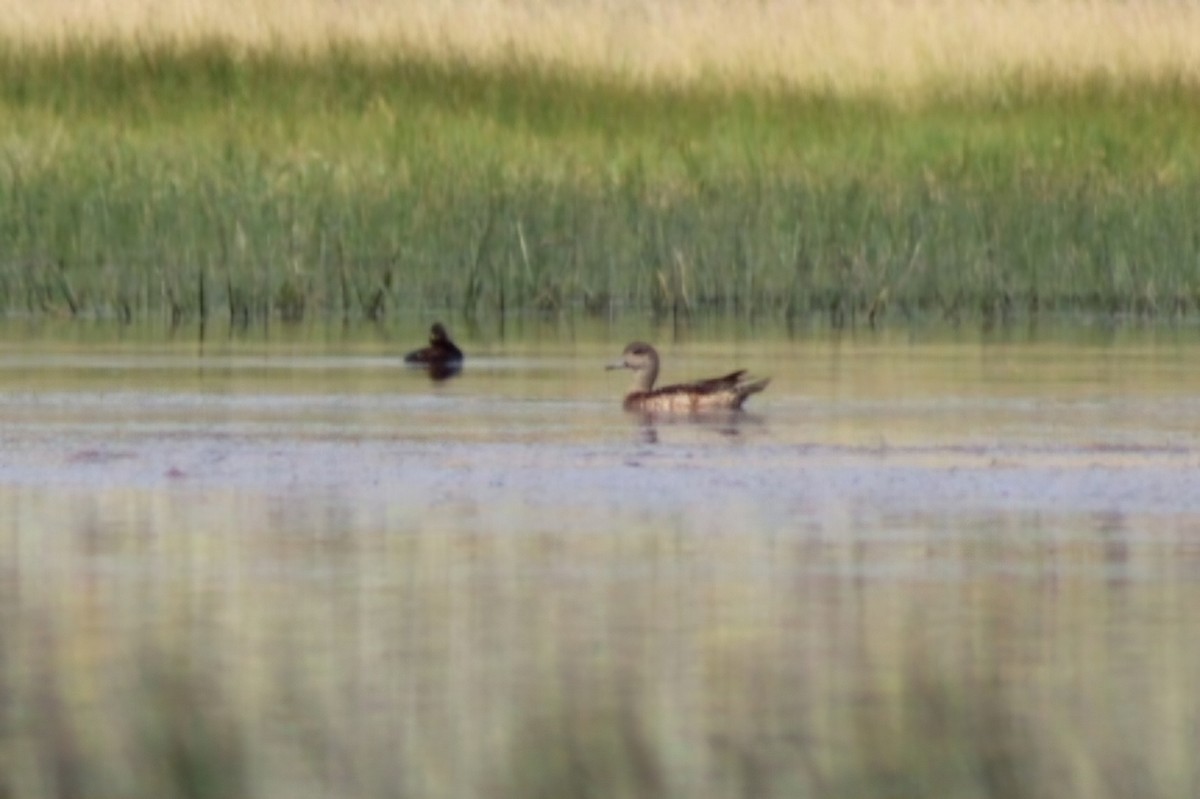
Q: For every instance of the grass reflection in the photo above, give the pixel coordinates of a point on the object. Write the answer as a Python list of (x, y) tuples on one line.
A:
[(164, 645)]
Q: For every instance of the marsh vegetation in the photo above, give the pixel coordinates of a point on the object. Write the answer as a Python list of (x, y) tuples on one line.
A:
[(233, 566), (955, 162)]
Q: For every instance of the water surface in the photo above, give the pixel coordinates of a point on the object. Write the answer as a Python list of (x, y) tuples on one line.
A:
[(884, 428), (435, 570)]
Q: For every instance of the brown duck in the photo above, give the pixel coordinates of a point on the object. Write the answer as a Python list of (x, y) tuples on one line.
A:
[(442, 357), (716, 393)]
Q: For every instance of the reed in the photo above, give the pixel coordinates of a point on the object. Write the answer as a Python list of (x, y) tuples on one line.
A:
[(858, 45), (209, 174)]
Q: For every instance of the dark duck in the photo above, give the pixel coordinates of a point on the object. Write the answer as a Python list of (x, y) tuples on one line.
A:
[(442, 358)]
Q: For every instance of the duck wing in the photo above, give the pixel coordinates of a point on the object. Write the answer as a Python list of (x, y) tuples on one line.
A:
[(442, 352), (723, 383), (423, 355), (709, 385)]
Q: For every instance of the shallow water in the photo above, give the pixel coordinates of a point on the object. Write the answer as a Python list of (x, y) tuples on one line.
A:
[(934, 435), (887, 442), (1024, 506)]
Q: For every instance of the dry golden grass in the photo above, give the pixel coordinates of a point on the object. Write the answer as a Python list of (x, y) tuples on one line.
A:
[(845, 45)]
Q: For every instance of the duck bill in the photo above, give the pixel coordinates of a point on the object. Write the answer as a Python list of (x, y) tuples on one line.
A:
[(614, 365)]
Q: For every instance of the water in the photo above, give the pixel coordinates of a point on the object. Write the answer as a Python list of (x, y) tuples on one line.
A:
[(883, 427), (888, 492)]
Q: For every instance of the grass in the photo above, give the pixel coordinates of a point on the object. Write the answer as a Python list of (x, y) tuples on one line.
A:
[(257, 661), (846, 47), (194, 172)]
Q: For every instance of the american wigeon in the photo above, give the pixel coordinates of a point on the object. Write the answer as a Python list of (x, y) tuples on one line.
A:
[(716, 393)]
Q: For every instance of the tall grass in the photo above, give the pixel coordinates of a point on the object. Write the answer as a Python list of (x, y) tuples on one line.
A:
[(844, 46), (150, 172)]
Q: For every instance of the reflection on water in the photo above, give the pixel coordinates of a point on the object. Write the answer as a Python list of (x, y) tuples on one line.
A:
[(719, 423), (433, 574), (443, 371)]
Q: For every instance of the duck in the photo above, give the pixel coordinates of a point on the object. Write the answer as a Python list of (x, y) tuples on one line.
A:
[(724, 393), (442, 357)]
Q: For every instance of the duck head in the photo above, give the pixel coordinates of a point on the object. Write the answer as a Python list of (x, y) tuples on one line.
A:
[(643, 360)]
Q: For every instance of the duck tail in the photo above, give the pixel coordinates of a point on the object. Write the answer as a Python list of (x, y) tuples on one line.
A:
[(745, 389), (752, 386)]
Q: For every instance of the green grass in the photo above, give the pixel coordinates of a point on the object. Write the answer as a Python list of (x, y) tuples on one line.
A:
[(199, 182)]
